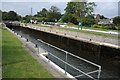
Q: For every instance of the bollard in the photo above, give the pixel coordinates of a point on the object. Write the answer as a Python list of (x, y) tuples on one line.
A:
[(26, 40), (66, 57), (90, 39), (36, 46), (48, 53), (38, 50)]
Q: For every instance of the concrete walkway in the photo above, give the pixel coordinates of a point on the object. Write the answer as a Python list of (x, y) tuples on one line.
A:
[(91, 38)]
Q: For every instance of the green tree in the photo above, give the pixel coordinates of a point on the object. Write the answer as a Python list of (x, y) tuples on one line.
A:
[(0, 15), (11, 15), (27, 18), (53, 14), (4, 15), (79, 10), (40, 19), (103, 17), (42, 13), (88, 20), (116, 20), (69, 18)]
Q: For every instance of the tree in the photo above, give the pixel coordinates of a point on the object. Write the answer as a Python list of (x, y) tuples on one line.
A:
[(27, 18), (69, 18), (116, 20), (42, 13), (79, 10), (0, 16), (11, 15), (40, 19), (103, 17), (88, 20), (4, 15), (53, 14)]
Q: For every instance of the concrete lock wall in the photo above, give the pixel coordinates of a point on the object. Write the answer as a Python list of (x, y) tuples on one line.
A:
[(100, 54)]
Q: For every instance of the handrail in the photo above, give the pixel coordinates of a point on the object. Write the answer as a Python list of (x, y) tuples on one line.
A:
[(83, 73), (70, 53)]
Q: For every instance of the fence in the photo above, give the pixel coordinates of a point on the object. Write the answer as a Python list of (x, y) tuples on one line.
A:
[(98, 71)]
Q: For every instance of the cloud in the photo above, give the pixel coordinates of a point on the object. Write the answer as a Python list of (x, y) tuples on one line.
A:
[(57, 0), (24, 8), (35, 0), (108, 9), (103, 0)]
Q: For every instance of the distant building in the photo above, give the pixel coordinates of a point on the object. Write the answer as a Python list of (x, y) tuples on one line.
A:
[(106, 21), (33, 21), (102, 21)]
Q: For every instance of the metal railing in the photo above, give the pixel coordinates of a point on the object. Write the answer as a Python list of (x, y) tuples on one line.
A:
[(98, 71)]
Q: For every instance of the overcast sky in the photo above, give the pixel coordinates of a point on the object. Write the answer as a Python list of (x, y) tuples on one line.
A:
[(108, 8)]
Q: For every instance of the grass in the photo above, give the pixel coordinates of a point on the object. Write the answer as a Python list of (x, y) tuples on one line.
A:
[(92, 28), (42, 25), (17, 62), (81, 31)]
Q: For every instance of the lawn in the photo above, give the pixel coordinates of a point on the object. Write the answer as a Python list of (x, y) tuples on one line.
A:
[(17, 62), (81, 31), (88, 32), (92, 28)]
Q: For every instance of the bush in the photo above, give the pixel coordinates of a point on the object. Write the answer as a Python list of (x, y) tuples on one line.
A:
[(116, 20), (97, 26), (40, 19), (118, 28), (105, 26), (60, 21)]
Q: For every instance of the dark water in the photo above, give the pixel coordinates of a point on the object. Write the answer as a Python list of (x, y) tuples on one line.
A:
[(28, 34)]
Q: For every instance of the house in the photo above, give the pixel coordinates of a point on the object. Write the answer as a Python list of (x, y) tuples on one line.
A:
[(103, 20), (33, 21), (106, 21)]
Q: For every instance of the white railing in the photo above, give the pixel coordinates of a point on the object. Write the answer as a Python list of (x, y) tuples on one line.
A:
[(66, 62)]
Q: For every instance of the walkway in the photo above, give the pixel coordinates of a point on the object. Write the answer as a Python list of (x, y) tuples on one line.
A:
[(101, 40)]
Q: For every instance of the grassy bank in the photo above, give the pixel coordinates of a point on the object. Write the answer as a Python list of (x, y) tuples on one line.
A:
[(81, 31), (17, 62), (88, 32), (92, 28)]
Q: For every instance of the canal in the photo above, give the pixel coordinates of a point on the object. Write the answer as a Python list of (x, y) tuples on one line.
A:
[(31, 36)]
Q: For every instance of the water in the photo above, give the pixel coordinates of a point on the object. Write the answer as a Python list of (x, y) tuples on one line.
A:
[(71, 60)]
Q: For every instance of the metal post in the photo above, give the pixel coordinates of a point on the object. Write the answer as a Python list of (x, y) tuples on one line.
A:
[(48, 52), (38, 50), (26, 40), (99, 73), (66, 64), (36, 45)]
